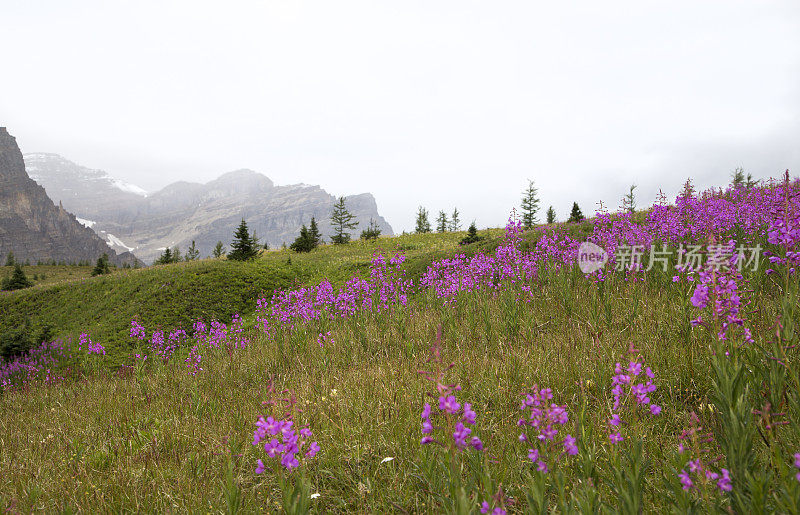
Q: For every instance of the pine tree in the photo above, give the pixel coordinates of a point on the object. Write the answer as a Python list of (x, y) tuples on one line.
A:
[(101, 267), (472, 235), (423, 225), (629, 200), (176, 255), (750, 181), (441, 222), (314, 234), (737, 177), (219, 250), (342, 221), (165, 258), (10, 259), (575, 215), (688, 189), (372, 231), (192, 253), (551, 215), (530, 205), (455, 223), (303, 243), (243, 247), (17, 281)]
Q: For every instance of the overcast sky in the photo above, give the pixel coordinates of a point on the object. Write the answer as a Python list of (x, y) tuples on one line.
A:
[(438, 103)]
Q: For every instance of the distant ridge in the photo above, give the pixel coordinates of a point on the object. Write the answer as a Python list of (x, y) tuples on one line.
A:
[(145, 223)]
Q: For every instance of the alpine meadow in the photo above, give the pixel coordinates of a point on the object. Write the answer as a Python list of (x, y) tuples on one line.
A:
[(422, 257), (417, 374)]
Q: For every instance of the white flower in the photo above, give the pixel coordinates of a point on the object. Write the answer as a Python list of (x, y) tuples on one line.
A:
[(384, 460), (314, 496)]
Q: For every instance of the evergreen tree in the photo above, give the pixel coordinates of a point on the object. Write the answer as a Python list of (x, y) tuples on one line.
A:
[(10, 259), (243, 247), (441, 222), (472, 235), (101, 267), (165, 258), (219, 250), (17, 281), (750, 181), (575, 215), (530, 205), (314, 234), (192, 253), (303, 243), (455, 223), (688, 189), (342, 222), (551, 215), (176, 255), (737, 177), (423, 225), (629, 200), (372, 231)]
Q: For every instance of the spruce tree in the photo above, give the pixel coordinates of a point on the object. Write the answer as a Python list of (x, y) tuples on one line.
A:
[(441, 222), (10, 259), (551, 215), (219, 250), (423, 225), (101, 267), (575, 215), (192, 253), (688, 189), (165, 258), (629, 200), (455, 223), (17, 281), (303, 243), (313, 233), (530, 205), (472, 235), (176, 255), (372, 231), (342, 222), (737, 177), (243, 247)]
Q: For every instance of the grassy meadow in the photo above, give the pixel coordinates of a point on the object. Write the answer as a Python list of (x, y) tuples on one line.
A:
[(162, 435)]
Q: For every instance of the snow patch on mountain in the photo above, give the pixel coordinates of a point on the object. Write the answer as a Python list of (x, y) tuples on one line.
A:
[(126, 186), (114, 241), (83, 221)]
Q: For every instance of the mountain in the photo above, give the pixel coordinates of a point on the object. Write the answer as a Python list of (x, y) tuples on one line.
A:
[(32, 226), (132, 220)]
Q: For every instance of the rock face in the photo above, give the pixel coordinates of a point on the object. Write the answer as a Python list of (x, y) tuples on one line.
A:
[(145, 224), (32, 226)]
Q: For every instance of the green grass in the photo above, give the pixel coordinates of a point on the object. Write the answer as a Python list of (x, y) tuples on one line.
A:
[(70, 301), (156, 439), (161, 440), (165, 296)]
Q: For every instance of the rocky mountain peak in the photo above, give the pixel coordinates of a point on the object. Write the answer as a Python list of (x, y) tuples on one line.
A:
[(32, 226)]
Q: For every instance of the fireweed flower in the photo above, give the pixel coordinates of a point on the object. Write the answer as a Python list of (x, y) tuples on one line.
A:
[(193, 361), (696, 441), (454, 417), (797, 465), (282, 443), (631, 387), (542, 419), (86, 343)]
